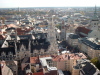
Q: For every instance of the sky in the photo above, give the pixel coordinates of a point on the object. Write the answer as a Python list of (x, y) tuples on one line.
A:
[(48, 3)]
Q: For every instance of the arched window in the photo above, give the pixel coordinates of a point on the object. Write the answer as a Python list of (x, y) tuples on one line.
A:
[(23, 48), (10, 55), (35, 54)]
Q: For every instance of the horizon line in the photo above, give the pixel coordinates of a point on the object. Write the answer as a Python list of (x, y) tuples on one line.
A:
[(52, 7)]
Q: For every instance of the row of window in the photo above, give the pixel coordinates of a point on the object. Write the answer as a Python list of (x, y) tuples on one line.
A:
[(95, 23)]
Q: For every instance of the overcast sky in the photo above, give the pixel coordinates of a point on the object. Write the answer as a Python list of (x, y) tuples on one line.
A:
[(48, 3)]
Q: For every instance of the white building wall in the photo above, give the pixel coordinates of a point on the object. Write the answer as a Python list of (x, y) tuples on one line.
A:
[(94, 34), (94, 25)]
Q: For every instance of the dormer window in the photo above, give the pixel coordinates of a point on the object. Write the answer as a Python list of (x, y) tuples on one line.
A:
[(10, 53), (22, 48)]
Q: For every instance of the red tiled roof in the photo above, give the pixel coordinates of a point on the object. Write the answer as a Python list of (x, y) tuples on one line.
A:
[(82, 29), (3, 26), (34, 60), (23, 30), (44, 56), (31, 28), (29, 74), (4, 32), (58, 58), (11, 25), (20, 33), (20, 30), (53, 72), (64, 57)]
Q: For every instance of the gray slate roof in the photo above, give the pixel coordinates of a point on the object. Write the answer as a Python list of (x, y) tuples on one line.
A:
[(90, 44), (73, 36), (88, 69)]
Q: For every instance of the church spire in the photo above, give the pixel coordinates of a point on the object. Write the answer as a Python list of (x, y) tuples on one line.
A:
[(95, 17), (95, 12), (19, 15), (15, 40)]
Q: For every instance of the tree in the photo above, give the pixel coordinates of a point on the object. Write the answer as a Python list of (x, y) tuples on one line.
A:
[(33, 69), (82, 12), (3, 19), (58, 26), (96, 62)]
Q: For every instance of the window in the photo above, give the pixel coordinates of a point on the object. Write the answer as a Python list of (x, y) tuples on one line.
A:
[(35, 54), (49, 62), (99, 54), (31, 54), (94, 23), (98, 27)]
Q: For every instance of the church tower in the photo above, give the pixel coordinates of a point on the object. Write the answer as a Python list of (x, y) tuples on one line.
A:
[(18, 15), (94, 26), (53, 48), (95, 21), (63, 31), (15, 42)]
